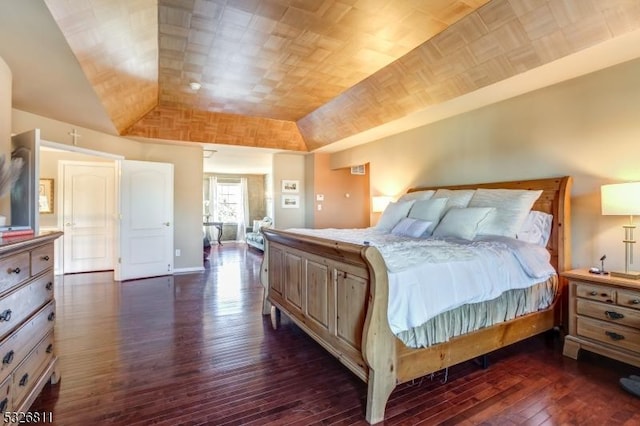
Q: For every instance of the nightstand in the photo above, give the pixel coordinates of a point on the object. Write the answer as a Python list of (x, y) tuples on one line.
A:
[(604, 316)]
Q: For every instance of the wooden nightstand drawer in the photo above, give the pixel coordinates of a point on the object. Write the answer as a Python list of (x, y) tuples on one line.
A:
[(596, 292), (607, 312), (611, 334), (630, 299), (31, 368)]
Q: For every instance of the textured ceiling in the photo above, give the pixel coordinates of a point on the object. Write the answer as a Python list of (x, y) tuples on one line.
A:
[(303, 74)]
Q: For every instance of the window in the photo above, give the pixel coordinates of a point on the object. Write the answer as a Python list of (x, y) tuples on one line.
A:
[(229, 201)]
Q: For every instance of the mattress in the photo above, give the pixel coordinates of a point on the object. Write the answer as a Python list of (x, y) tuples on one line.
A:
[(430, 276), (475, 316)]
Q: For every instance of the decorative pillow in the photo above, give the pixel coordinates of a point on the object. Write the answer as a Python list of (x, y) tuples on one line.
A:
[(536, 228), (512, 207), (458, 198), (417, 195), (409, 227), (393, 214), (429, 210), (462, 223)]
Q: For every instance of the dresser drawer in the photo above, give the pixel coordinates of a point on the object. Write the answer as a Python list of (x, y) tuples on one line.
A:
[(41, 258), (611, 334), (19, 343), (5, 397), (607, 312), (628, 298), (596, 292), (18, 305), (31, 368), (13, 271)]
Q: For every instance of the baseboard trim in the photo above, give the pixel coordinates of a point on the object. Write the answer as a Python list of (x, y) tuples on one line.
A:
[(179, 271)]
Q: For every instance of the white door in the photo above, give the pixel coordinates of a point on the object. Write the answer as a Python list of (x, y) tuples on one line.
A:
[(146, 220), (88, 210), (24, 195)]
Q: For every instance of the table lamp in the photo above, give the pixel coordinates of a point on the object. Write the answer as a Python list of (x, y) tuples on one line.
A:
[(380, 202), (623, 199)]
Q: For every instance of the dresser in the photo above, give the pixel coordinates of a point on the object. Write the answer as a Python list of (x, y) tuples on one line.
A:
[(604, 316), (27, 316)]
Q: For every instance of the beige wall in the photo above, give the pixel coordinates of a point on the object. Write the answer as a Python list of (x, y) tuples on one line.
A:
[(5, 125), (588, 128), (288, 167), (187, 161)]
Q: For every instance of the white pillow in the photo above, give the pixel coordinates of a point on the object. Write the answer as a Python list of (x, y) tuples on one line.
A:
[(417, 195), (458, 198), (430, 210), (392, 214), (512, 207), (409, 227), (462, 223), (536, 228)]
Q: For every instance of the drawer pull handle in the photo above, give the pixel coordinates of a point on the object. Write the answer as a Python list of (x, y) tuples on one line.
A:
[(6, 315), (594, 293), (24, 380), (635, 302), (614, 336), (613, 315), (45, 258), (51, 316), (3, 404), (8, 358), (50, 348), (49, 285), (14, 271)]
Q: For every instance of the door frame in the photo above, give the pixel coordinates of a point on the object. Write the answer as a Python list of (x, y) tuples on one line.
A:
[(58, 190)]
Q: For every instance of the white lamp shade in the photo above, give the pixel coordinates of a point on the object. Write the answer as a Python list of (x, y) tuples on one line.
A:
[(621, 199), (379, 203)]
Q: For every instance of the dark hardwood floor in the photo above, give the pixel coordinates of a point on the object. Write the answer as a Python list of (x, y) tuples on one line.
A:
[(195, 349)]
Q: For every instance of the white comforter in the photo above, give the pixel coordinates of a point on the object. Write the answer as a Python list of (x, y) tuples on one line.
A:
[(431, 276)]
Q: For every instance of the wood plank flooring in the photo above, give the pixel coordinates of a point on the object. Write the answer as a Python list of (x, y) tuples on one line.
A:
[(195, 350)]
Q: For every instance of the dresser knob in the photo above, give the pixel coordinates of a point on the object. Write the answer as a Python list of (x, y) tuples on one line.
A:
[(8, 358), (614, 336), (635, 302), (14, 271), (24, 380), (50, 348), (594, 293), (6, 315), (51, 316), (49, 285), (613, 315), (3, 404), (45, 258)]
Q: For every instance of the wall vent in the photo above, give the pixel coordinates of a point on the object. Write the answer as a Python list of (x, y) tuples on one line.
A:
[(358, 170)]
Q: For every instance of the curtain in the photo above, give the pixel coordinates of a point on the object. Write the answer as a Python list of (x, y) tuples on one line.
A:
[(243, 210), (210, 205)]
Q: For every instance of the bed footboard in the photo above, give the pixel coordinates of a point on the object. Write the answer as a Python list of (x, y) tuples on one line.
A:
[(337, 293)]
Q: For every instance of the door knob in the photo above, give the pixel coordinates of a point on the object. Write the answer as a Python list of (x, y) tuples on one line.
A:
[(166, 223)]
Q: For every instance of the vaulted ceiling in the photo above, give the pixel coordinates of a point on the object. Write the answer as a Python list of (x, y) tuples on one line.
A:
[(302, 74)]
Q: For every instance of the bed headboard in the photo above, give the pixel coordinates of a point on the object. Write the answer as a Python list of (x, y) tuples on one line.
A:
[(555, 200)]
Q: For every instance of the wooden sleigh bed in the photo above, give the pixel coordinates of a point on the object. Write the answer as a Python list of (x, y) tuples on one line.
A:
[(337, 293)]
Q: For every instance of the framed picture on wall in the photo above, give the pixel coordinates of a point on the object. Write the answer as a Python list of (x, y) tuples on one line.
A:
[(290, 186), (290, 201), (45, 196)]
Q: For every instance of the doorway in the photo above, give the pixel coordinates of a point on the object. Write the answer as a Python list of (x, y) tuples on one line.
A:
[(88, 240)]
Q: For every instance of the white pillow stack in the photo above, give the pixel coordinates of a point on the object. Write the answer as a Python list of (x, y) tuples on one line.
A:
[(393, 214), (511, 209), (430, 210)]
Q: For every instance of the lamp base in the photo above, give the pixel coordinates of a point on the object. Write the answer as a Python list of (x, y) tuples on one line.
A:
[(631, 275)]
